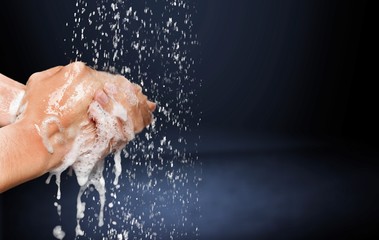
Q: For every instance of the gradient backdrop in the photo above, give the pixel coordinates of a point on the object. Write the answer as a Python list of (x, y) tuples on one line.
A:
[(288, 103)]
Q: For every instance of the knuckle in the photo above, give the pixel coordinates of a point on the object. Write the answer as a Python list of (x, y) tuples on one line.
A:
[(33, 78), (77, 69)]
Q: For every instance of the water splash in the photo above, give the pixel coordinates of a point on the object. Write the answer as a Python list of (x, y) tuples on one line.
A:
[(151, 43)]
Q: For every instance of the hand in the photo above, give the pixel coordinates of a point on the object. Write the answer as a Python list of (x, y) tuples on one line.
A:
[(57, 103)]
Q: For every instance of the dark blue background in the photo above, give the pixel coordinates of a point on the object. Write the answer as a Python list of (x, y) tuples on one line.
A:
[(288, 105)]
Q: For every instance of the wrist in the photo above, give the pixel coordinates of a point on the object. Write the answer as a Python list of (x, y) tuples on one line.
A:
[(22, 157), (48, 141), (31, 147)]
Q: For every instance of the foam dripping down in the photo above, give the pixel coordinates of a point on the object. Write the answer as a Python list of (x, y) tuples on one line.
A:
[(58, 232), (86, 157)]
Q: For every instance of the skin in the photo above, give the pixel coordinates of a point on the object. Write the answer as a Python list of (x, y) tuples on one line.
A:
[(9, 89), (65, 94)]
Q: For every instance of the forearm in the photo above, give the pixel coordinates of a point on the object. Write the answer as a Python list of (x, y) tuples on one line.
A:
[(11, 93), (22, 155)]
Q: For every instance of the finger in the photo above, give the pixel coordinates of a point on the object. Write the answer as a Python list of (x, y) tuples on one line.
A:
[(102, 98), (111, 106), (108, 104), (151, 105), (116, 111), (137, 88), (119, 103), (140, 112), (110, 89), (146, 114)]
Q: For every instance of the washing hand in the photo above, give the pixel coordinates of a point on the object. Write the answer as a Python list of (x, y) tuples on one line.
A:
[(60, 104)]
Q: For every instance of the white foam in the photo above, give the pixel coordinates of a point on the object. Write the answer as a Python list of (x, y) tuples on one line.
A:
[(117, 166), (87, 153), (58, 232), (55, 105), (97, 180), (59, 208), (43, 131), (15, 105), (21, 111)]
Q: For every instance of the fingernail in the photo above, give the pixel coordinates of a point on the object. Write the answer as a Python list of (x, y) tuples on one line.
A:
[(102, 98), (151, 106)]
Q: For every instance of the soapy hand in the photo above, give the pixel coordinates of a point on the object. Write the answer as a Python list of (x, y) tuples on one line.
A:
[(60, 103), (69, 116)]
